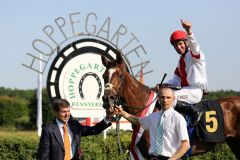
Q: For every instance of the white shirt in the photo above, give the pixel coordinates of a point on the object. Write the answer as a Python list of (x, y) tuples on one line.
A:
[(174, 130), (191, 71), (70, 134)]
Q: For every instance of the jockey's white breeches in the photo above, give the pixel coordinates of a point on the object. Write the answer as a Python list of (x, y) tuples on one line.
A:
[(189, 94)]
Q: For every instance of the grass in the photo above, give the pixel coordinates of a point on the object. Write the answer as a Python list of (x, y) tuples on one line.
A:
[(25, 134)]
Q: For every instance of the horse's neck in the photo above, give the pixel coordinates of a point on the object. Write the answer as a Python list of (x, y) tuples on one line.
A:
[(135, 93)]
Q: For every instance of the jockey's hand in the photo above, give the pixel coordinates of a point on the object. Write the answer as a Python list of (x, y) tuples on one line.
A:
[(187, 26), (156, 88)]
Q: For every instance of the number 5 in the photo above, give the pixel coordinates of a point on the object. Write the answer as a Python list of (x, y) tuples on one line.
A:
[(212, 127)]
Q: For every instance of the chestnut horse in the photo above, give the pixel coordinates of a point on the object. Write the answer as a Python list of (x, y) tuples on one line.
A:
[(127, 88)]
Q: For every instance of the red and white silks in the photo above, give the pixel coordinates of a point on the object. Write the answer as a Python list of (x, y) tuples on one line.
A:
[(138, 131)]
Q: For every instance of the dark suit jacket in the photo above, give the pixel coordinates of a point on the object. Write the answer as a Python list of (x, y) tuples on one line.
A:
[(51, 144)]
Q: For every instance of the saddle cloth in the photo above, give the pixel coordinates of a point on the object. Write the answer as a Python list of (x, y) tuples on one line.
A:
[(211, 124)]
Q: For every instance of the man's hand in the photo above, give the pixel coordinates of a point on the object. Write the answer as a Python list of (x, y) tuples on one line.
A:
[(187, 26), (109, 113), (131, 118), (118, 110)]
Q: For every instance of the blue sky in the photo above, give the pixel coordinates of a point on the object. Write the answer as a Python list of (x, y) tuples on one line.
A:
[(215, 24)]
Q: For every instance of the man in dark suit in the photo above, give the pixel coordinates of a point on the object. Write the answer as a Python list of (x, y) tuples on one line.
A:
[(52, 144)]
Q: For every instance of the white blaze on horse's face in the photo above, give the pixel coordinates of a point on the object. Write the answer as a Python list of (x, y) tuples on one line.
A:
[(109, 86), (111, 72)]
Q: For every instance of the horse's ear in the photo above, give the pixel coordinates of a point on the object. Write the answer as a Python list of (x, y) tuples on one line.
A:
[(119, 59), (105, 62), (110, 63)]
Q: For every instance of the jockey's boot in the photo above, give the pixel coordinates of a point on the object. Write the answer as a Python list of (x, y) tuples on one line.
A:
[(185, 107)]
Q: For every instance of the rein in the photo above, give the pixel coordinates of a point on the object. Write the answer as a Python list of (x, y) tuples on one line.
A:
[(117, 97), (139, 108)]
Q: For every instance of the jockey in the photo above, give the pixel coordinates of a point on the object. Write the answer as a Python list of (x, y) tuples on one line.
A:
[(190, 73)]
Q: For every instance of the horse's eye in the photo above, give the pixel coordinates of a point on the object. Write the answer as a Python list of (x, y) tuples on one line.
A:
[(105, 77), (121, 77)]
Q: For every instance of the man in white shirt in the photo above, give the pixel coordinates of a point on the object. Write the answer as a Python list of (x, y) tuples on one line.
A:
[(174, 141)]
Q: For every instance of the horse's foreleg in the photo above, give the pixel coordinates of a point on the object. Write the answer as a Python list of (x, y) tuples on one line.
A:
[(144, 144), (234, 144)]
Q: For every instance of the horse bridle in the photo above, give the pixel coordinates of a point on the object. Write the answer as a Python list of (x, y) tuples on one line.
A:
[(116, 99)]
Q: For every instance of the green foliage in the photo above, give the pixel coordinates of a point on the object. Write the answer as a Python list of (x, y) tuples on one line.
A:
[(28, 119), (13, 111), (222, 93), (23, 94), (94, 147), (24, 147), (47, 113), (220, 152), (18, 148)]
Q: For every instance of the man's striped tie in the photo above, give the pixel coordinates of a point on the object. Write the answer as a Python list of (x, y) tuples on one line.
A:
[(159, 135)]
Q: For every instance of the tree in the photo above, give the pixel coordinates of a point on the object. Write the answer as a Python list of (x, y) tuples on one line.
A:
[(47, 113), (13, 111)]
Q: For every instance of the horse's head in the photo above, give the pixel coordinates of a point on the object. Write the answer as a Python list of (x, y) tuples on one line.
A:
[(114, 77), (123, 88)]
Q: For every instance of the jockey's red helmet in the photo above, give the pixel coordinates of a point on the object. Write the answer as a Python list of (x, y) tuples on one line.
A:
[(178, 35)]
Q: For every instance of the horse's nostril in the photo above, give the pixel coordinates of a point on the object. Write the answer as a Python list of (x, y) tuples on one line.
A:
[(111, 97), (104, 98)]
